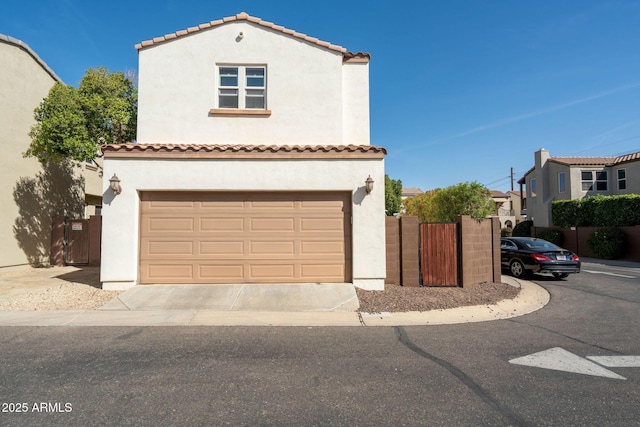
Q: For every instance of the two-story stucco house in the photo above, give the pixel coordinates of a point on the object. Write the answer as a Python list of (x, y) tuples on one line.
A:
[(570, 178), (253, 164), (33, 193)]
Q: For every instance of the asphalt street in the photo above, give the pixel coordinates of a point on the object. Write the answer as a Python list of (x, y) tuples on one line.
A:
[(419, 375)]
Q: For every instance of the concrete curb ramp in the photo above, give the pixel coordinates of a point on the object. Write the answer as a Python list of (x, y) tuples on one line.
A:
[(134, 310)]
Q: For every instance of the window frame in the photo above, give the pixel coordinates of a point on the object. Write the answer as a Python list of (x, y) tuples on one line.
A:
[(533, 187), (595, 180), (562, 182), (623, 179), (245, 89)]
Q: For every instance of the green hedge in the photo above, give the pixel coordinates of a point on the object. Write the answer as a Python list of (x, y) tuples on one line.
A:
[(607, 243), (597, 211), (553, 236), (522, 229)]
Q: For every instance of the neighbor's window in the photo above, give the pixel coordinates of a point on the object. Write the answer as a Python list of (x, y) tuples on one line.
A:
[(622, 179), (532, 186), (562, 182), (595, 180), (242, 87)]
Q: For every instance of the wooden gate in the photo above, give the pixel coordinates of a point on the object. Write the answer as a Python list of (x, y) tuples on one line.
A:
[(77, 241), (439, 254)]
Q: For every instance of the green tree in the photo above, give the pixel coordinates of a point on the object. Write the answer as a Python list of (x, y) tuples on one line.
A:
[(392, 195), (466, 198), (72, 123), (422, 206), (444, 204)]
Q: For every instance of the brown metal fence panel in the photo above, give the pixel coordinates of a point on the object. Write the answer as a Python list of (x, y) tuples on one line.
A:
[(77, 236), (439, 254)]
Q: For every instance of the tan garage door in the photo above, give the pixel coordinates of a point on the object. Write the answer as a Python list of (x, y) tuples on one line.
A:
[(264, 237)]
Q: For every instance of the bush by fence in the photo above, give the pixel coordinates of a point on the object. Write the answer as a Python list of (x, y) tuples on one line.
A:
[(553, 236), (607, 243), (598, 211)]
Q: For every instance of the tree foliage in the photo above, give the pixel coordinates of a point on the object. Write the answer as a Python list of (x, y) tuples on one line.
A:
[(392, 195), (444, 204), (71, 123)]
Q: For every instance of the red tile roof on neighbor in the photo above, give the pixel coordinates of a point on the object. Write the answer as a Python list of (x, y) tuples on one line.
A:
[(411, 191), (497, 194), (245, 17), (238, 150)]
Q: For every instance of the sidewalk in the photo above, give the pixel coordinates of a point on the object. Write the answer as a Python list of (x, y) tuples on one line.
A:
[(116, 313)]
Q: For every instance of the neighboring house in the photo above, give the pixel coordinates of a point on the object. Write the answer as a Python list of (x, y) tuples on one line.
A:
[(250, 166), (504, 211), (571, 178), (32, 194), (518, 201), (410, 192)]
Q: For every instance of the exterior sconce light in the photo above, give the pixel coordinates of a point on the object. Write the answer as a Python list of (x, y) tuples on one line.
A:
[(114, 184), (368, 184)]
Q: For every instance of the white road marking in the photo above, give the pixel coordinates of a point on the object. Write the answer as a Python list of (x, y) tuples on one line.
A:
[(560, 359), (609, 274), (617, 361)]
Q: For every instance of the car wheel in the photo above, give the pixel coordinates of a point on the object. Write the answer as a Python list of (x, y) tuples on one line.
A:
[(560, 275), (517, 268)]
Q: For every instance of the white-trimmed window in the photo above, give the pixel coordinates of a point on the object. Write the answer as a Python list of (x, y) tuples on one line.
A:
[(622, 179), (562, 182), (595, 180), (532, 187), (242, 87)]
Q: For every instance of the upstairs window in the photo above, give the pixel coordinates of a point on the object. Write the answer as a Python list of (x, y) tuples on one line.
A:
[(622, 179), (562, 182), (595, 180), (242, 87), (532, 187)]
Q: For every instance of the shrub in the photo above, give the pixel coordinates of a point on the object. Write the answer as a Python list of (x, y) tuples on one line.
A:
[(522, 229), (553, 236), (607, 243), (565, 212), (505, 232)]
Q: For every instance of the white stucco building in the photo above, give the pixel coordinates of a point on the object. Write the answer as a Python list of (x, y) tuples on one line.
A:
[(251, 164)]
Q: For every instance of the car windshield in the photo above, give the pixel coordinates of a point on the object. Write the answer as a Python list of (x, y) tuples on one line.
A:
[(538, 244)]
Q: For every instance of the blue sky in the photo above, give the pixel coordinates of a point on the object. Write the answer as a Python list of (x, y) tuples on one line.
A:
[(460, 90)]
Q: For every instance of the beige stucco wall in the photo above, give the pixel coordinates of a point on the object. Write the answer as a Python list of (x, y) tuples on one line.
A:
[(32, 194), (23, 85), (119, 269), (313, 97)]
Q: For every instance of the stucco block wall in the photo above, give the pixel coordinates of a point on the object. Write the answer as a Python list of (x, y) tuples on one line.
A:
[(120, 251), (392, 239), (480, 250), (307, 86), (410, 249)]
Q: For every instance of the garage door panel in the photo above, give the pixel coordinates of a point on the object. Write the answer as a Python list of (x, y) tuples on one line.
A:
[(165, 248), (224, 237), (171, 225), (272, 247), (169, 272), (221, 273), (269, 272), (226, 225), (322, 224), (272, 224), (230, 248), (335, 247)]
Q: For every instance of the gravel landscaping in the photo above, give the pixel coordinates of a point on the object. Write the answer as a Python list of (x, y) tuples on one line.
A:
[(79, 289)]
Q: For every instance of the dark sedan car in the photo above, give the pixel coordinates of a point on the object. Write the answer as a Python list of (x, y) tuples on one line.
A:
[(521, 255)]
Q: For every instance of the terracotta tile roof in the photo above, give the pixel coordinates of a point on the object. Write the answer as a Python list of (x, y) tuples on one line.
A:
[(238, 150), (627, 157), (584, 161), (497, 194), (411, 191), (245, 17)]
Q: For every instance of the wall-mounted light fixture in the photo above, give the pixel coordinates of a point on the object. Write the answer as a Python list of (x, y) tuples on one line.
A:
[(114, 184), (368, 184)]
